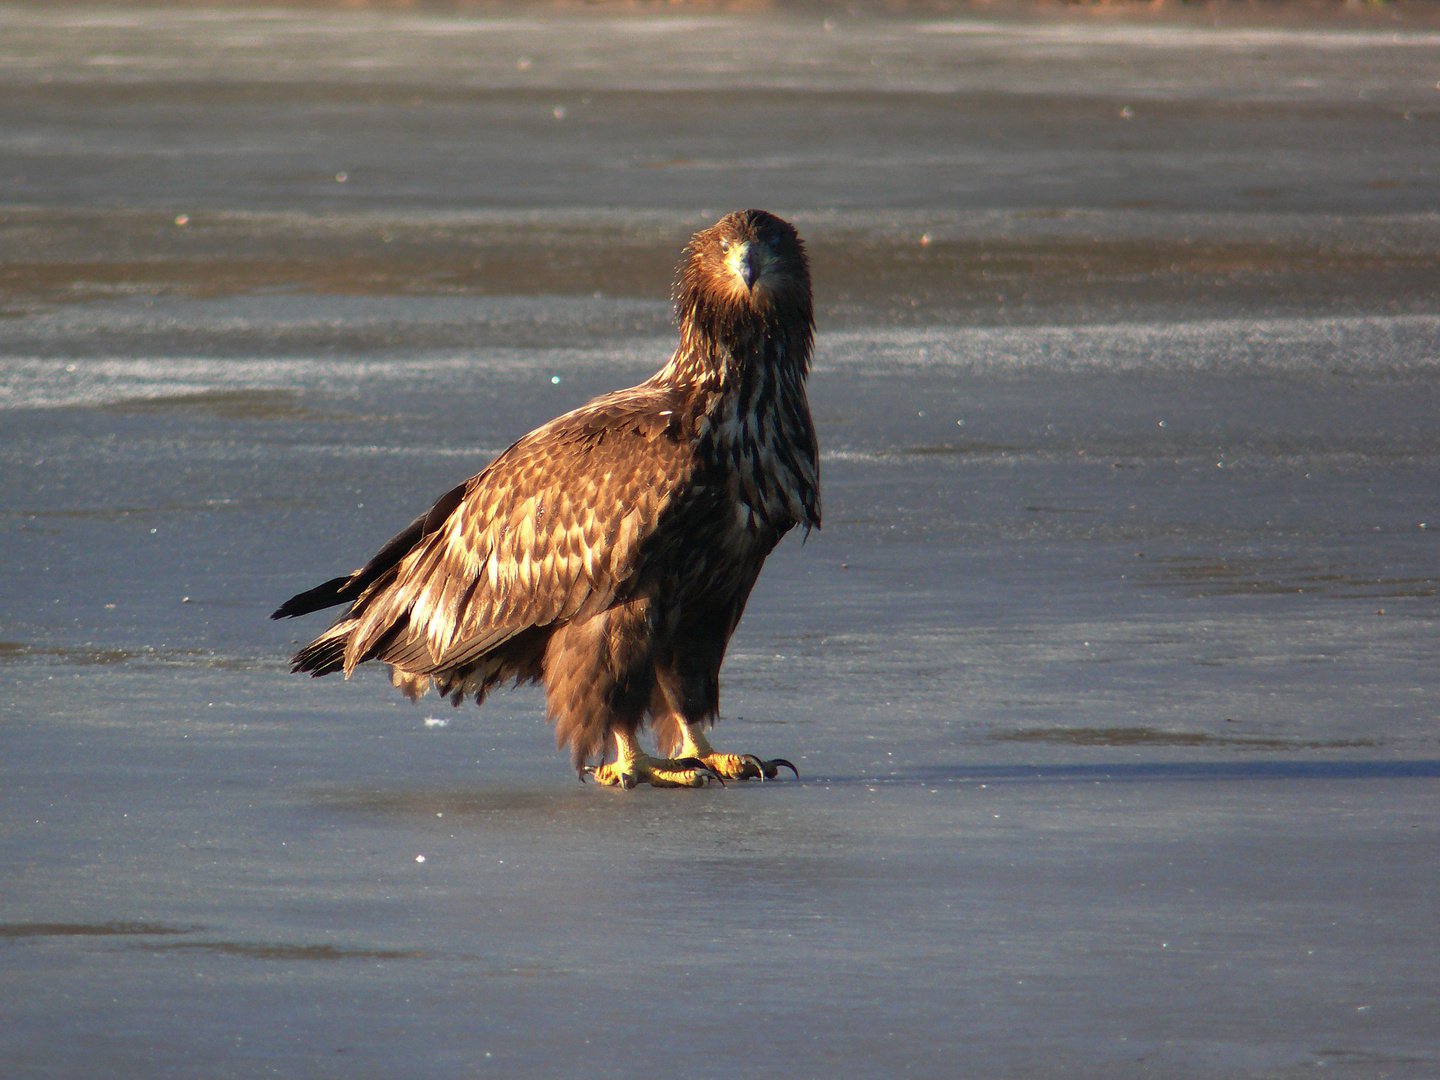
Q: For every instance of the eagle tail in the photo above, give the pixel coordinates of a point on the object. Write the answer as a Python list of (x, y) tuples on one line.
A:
[(343, 590), (326, 653), (322, 596)]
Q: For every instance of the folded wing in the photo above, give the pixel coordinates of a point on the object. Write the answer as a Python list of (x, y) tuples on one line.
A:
[(556, 528)]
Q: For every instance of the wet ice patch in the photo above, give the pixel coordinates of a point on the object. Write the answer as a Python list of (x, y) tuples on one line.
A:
[(1375, 345), (30, 382), (1359, 345)]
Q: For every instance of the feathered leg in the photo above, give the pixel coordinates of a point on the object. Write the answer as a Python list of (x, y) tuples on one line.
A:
[(599, 682)]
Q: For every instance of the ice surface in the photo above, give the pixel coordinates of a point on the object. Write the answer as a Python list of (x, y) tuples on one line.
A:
[(1111, 675)]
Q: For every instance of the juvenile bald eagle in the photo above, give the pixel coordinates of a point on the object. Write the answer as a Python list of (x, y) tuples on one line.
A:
[(609, 553)]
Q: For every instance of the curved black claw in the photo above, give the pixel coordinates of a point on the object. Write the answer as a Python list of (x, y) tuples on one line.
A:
[(767, 770), (775, 765), (700, 766)]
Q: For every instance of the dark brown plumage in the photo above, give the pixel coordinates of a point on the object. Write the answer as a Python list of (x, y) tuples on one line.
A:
[(609, 553)]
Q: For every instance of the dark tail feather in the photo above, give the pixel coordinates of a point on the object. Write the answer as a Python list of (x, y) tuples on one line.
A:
[(322, 596), (343, 590), (322, 656)]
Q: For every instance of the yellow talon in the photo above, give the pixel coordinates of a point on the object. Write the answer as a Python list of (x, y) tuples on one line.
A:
[(657, 772), (695, 765), (694, 744), (746, 766), (633, 766)]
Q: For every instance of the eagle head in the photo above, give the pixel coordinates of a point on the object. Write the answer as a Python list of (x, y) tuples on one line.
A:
[(745, 275)]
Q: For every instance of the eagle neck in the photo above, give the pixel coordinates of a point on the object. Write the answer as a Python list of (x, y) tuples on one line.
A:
[(752, 421), (725, 359)]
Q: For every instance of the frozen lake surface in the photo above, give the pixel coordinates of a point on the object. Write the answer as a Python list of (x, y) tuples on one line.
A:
[(1111, 677)]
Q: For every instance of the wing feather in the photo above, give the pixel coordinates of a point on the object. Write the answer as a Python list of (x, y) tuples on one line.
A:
[(557, 526)]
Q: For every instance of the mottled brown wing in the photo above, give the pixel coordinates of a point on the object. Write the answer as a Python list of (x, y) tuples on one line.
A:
[(554, 528)]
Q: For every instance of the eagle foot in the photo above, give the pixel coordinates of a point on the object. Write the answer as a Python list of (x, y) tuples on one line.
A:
[(746, 766), (657, 772)]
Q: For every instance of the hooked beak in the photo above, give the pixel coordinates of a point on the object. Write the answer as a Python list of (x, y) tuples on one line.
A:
[(746, 262), (750, 266)]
